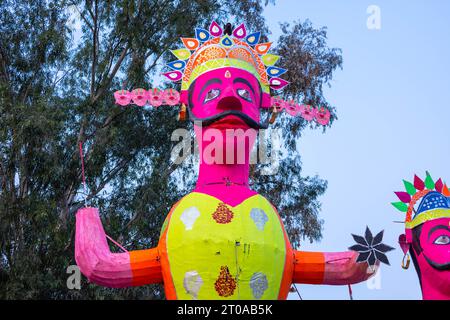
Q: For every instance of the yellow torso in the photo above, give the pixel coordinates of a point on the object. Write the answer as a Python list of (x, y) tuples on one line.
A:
[(216, 251)]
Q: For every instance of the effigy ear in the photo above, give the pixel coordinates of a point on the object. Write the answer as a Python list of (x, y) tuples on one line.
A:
[(404, 244), (184, 97), (266, 100)]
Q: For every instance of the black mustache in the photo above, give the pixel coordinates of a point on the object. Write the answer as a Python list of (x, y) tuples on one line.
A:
[(438, 266), (205, 122)]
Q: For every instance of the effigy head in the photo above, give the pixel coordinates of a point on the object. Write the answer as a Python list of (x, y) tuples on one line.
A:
[(225, 73), (427, 232)]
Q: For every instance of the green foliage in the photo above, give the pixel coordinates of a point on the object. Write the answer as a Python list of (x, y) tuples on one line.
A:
[(56, 86)]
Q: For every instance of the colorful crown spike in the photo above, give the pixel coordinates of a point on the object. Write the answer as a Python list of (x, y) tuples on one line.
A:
[(190, 43), (401, 206), (226, 41), (403, 196), (445, 191), (215, 30), (181, 54), (214, 49), (202, 35), (275, 71), (173, 75), (177, 65), (270, 59), (434, 200), (278, 83), (409, 187), (253, 39), (418, 183), (240, 32), (263, 48), (429, 183), (439, 185)]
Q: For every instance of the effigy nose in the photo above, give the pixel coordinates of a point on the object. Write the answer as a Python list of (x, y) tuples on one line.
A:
[(229, 103)]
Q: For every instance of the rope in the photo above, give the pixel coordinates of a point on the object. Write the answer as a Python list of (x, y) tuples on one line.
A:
[(83, 177), (350, 292), (82, 174), (298, 292), (116, 243)]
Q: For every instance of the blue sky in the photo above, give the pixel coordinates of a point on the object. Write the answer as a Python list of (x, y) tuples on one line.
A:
[(392, 100)]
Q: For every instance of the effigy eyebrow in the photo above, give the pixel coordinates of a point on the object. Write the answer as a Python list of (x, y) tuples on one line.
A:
[(244, 81), (209, 82), (437, 228)]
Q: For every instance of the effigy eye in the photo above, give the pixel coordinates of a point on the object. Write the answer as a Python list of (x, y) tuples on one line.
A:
[(212, 94), (442, 240), (244, 94)]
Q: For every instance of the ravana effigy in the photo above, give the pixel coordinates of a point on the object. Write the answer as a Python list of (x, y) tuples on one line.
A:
[(223, 240)]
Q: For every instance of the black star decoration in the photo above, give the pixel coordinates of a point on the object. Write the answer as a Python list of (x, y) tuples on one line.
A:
[(370, 248)]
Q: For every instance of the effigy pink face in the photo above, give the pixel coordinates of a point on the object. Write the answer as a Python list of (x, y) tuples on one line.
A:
[(434, 259), (226, 97)]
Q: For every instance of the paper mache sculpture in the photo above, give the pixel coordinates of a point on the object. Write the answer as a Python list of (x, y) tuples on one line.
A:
[(222, 240), (427, 234)]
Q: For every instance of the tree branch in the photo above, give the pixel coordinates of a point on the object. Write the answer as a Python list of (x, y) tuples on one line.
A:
[(94, 48), (107, 83), (83, 17)]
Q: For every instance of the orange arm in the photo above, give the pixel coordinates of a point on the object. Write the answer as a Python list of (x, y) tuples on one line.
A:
[(334, 268), (145, 266)]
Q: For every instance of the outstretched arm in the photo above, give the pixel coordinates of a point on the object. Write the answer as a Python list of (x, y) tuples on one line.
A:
[(116, 270), (334, 268)]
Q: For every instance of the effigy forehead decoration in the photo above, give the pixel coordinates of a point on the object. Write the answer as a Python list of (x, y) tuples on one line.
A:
[(218, 48)]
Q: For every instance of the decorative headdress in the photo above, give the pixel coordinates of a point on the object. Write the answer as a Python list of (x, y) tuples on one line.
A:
[(217, 48), (434, 202)]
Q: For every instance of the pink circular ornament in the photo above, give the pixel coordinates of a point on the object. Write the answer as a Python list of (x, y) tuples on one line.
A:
[(155, 97), (307, 112), (171, 97), (139, 97), (323, 116), (122, 97), (278, 103), (291, 108)]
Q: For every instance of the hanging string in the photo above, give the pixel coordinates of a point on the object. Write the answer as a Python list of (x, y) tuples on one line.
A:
[(298, 292), (82, 174), (350, 292), (83, 177), (116, 243)]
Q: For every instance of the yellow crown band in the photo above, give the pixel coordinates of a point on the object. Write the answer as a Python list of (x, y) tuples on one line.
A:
[(427, 216), (221, 63)]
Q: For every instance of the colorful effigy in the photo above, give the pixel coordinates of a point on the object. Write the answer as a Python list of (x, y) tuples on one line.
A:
[(427, 234), (222, 240)]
